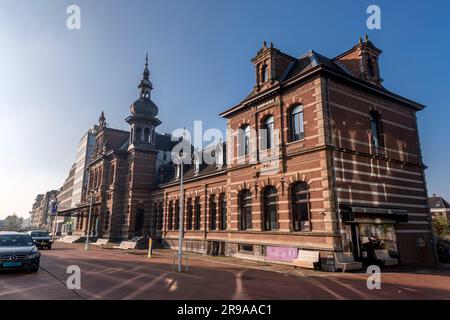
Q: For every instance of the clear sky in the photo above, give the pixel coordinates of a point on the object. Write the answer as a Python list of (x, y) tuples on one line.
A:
[(54, 82)]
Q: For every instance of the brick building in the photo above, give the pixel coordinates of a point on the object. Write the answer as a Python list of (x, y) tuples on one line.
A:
[(318, 156), (439, 207)]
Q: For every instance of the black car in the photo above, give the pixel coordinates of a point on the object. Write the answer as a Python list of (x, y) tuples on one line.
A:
[(18, 251), (41, 238)]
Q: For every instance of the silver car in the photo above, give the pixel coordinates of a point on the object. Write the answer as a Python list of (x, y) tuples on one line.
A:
[(18, 252)]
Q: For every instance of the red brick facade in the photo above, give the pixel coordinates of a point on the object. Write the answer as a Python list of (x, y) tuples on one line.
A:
[(361, 186)]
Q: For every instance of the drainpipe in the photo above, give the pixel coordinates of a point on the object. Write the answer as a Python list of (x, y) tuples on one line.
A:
[(333, 165)]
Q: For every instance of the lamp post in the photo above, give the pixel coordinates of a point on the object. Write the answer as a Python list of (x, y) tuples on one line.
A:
[(181, 226), (54, 211), (87, 246)]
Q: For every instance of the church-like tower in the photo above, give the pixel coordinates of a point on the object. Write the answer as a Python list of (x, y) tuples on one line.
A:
[(143, 120), (140, 161)]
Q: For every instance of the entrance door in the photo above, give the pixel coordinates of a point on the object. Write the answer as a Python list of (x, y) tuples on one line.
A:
[(355, 247), (139, 222)]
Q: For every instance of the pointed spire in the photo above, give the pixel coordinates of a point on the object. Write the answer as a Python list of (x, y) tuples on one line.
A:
[(102, 120), (146, 71)]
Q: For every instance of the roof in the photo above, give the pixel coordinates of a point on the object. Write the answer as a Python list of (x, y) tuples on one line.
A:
[(438, 203), (313, 61), (204, 170)]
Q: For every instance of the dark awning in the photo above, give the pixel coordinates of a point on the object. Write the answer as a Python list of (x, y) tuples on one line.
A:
[(360, 214)]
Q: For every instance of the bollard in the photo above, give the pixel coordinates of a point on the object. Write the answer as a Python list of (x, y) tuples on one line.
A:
[(150, 247)]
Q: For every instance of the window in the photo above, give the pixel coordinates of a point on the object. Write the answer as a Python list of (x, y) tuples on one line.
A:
[(170, 222), (189, 214), (197, 213), (371, 67), (264, 73), (196, 164), (155, 217), (147, 135), (160, 217), (246, 248), (106, 222), (177, 171), (213, 212), (219, 156), (223, 212), (245, 217), (300, 207), (375, 129), (268, 139), (138, 134), (177, 215), (111, 174), (244, 140), (270, 215), (296, 123)]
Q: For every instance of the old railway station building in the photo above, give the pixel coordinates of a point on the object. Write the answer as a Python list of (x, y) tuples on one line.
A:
[(341, 166)]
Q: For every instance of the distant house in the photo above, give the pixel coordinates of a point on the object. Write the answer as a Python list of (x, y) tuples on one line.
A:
[(439, 207), (2, 224)]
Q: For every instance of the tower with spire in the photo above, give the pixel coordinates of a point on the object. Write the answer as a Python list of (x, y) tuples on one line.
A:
[(143, 120)]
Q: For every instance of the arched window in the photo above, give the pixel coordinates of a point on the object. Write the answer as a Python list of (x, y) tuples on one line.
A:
[(244, 141), (375, 129), (189, 214), (154, 226), (213, 213), (264, 73), (138, 134), (223, 212), (111, 174), (177, 215), (170, 216), (268, 139), (245, 212), (270, 215), (152, 136), (147, 135), (160, 216), (371, 67), (197, 213), (300, 207), (296, 123)]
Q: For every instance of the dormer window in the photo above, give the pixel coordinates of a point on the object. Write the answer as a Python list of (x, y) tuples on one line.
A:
[(196, 164), (264, 73), (219, 157), (177, 172), (370, 67)]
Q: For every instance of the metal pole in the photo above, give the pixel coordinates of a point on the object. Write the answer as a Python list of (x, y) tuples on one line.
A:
[(180, 242), (54, 226), (89, 223)]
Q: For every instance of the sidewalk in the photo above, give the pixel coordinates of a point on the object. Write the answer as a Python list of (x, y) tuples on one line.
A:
[(443, 269)]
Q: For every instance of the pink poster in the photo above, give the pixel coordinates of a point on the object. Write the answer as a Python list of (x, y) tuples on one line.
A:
[(282, 253)]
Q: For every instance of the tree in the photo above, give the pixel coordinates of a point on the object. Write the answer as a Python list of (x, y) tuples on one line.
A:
[(441, 227), (13, 222)]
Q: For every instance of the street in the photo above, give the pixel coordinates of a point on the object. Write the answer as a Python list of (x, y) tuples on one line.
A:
[(110, 274)]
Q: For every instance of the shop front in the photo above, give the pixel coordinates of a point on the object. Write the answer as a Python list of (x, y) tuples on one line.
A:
[(371, 229)]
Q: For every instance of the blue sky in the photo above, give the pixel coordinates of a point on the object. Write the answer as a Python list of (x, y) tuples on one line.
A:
[(54, 82)]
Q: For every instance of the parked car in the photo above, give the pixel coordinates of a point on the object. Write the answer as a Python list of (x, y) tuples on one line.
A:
[(41, 238), (443, 251), (18, 251)]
